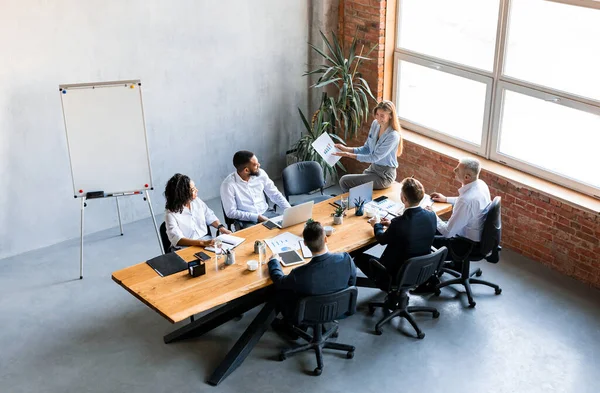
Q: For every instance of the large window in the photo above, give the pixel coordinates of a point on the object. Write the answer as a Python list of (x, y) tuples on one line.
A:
[(516, 81)]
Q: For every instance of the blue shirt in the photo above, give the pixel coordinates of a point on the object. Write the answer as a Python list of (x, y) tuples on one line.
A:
[(382, 151)]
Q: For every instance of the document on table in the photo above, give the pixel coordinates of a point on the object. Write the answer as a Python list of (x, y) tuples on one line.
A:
[(305, 250), (324, 146), (228, 242), (426, 201), (376, 251), (386, 206), (284, 242)]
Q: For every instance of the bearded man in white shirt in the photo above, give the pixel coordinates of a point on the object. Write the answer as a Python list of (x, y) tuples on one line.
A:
[(468, 213), (243, 192)]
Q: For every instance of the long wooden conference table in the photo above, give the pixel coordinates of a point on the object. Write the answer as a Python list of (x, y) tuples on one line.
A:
[(234, 288)]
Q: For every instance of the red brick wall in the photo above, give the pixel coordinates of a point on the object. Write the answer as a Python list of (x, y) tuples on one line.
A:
[(536, 225), (533, 224), (366, 19)]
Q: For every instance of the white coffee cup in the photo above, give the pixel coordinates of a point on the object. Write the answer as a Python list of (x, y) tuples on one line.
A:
[(369, 212), (252, 265), (328, 230)]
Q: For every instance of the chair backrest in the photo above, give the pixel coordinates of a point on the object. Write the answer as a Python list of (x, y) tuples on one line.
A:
[(311, 310), (415, 271), (164, 238), (228, 221), (492, 228), (302, 177)]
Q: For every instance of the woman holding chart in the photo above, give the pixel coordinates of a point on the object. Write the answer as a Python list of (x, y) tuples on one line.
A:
[(186, 216), (381, 148)]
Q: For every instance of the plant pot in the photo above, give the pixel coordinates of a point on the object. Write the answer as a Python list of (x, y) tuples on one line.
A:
[(338, 220)]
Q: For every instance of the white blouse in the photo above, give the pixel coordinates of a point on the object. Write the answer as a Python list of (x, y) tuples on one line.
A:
[(192, 223)]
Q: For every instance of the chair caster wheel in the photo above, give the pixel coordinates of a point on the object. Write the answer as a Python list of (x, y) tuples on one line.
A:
[(437, 292), (436, 314), (335, 335), (317, 371), (378, 332), (478, 273), (498, 291), (282, 357), (421, 335), (350, 355), (472, 304)]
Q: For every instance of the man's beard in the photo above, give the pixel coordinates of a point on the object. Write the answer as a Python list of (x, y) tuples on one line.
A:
[(255, 173)]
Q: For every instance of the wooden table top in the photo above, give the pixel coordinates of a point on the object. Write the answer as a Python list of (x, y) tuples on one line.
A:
[(179, 296)]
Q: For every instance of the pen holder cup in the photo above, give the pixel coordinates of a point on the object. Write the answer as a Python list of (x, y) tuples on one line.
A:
[(196, 268)]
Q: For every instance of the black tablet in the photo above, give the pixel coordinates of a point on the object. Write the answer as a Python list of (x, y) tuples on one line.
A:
[(290, 258)]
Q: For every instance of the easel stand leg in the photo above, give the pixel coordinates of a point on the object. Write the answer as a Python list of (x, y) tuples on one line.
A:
[(154, 221), (119, 214), (81, 240)]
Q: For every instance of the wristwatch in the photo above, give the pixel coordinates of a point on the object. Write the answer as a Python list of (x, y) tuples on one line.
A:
[(220, 226)]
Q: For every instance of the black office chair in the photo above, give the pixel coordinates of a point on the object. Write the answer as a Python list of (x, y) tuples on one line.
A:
[(301, 178), (228, 221), (488, 248), (164, 238), (315, 312), (411, 274)]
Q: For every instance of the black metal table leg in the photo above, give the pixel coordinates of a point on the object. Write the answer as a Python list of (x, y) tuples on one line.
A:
[(244, 344), (218, 317)]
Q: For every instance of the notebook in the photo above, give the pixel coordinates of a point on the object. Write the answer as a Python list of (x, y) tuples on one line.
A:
[(167, 264)]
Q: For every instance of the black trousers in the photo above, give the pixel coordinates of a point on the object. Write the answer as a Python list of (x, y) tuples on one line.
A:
[(376, 273)]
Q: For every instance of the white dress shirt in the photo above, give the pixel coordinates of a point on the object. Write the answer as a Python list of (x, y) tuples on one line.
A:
[(192, 223), (468, 212), (245, 201)]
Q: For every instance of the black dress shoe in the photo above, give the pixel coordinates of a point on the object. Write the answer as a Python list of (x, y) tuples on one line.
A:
[(284, 328), (427, 287)]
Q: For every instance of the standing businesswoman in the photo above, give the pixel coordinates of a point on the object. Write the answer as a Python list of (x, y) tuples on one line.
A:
[(381, 148)]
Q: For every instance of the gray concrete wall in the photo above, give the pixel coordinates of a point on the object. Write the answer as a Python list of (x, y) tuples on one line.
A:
[(218, 76)]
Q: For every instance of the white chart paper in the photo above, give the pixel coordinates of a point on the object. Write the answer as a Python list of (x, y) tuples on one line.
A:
[(324, 146)]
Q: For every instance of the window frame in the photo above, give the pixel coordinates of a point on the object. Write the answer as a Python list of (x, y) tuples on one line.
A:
[(497, 84), (437, 134)]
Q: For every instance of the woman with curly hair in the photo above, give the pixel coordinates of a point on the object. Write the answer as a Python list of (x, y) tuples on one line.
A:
[(186, 216)]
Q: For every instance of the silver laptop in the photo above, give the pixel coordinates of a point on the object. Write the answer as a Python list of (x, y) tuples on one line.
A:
[(364, 191), (294, 215)]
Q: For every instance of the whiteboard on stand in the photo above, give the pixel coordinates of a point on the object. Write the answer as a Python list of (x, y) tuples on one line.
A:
[(106, 137)]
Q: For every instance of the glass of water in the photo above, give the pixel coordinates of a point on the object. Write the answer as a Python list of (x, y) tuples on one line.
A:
[(262, 254), (218, 247), (344, 202)]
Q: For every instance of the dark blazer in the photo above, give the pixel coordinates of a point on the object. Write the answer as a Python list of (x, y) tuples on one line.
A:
[(327, 273), (410, 235)]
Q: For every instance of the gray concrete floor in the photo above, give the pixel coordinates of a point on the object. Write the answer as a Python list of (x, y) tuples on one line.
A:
[(62, 334)]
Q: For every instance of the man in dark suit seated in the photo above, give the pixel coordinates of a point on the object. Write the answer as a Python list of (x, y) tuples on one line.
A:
[(325, 273), (407, 236)]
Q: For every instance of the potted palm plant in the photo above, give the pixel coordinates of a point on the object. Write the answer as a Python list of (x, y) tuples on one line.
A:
[(349, 107), (303, 147)]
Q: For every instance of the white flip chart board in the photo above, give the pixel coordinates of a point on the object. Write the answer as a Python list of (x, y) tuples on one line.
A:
[(106, 137)]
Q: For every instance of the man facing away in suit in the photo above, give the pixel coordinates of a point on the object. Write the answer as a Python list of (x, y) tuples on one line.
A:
[(407, 236), (325, 273)]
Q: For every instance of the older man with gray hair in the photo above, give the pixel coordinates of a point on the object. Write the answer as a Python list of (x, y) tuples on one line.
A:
[(468, 212)]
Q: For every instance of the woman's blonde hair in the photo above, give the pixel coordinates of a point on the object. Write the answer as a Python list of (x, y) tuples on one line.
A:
[(389, 106)]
